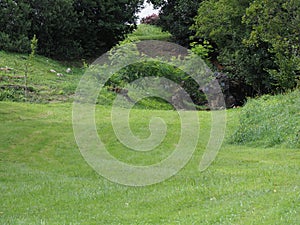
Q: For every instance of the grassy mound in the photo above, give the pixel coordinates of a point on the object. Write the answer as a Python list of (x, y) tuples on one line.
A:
[(270, 121), (149, 32)]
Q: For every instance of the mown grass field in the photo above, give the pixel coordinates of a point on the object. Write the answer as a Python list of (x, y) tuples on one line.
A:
[(45, 180)]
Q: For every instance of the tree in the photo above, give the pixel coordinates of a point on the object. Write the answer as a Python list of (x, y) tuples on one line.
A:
[(15, 26), (257, 41), (66, 28), (55, 23), (102, 24), (176, 17), (221, 22), (278, 24)]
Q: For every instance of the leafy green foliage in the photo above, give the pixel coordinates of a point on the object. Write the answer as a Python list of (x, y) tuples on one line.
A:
[(202, 50), (277, 23), (55, 24), (15, 26), (257, 41), (176, 17), (270, 121), (221, 23), (66, 29), (102, 24)]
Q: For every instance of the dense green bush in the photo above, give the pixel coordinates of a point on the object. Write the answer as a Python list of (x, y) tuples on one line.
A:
[(270, 121), (277, 24), (158, 69)]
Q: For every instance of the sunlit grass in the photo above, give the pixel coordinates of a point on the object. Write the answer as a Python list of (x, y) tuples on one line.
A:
[(149, 32), (45, 180)]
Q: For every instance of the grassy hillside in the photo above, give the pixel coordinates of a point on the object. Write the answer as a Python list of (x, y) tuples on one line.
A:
[(43, 85), (45, 180), (270, 121)]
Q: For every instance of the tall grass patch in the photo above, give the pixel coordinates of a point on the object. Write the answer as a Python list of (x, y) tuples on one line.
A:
[(270, 121)]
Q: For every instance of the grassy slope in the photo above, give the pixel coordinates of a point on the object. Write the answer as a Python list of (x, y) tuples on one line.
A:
[(44, 179), (48, 86), (271, 121)]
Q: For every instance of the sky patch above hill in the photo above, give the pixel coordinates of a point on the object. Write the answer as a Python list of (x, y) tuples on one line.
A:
[(148, 10)]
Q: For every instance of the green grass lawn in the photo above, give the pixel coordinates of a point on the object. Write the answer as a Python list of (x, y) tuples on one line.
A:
[(45, 180), (149, 32)]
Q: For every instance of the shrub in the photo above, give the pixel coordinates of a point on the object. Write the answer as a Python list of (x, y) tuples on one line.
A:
[(12, 95)]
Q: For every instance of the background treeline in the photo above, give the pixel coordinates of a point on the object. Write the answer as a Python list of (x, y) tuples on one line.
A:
[(66, 29), (255, 42)]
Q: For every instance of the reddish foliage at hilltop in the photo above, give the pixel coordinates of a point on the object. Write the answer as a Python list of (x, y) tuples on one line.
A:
[(152, 19)]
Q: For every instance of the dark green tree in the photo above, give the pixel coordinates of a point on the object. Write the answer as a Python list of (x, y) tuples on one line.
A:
[(66, 28), (176, 17), (54, 23), (15, 26), (258, 41), (221, 21), (102, 24), (277, 23)]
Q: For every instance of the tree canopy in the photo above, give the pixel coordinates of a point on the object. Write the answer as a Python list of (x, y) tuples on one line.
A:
[(176, 17), (66, 28), (257, 41)]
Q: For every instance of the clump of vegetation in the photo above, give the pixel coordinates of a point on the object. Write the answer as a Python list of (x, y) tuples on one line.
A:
[(270, 121)]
